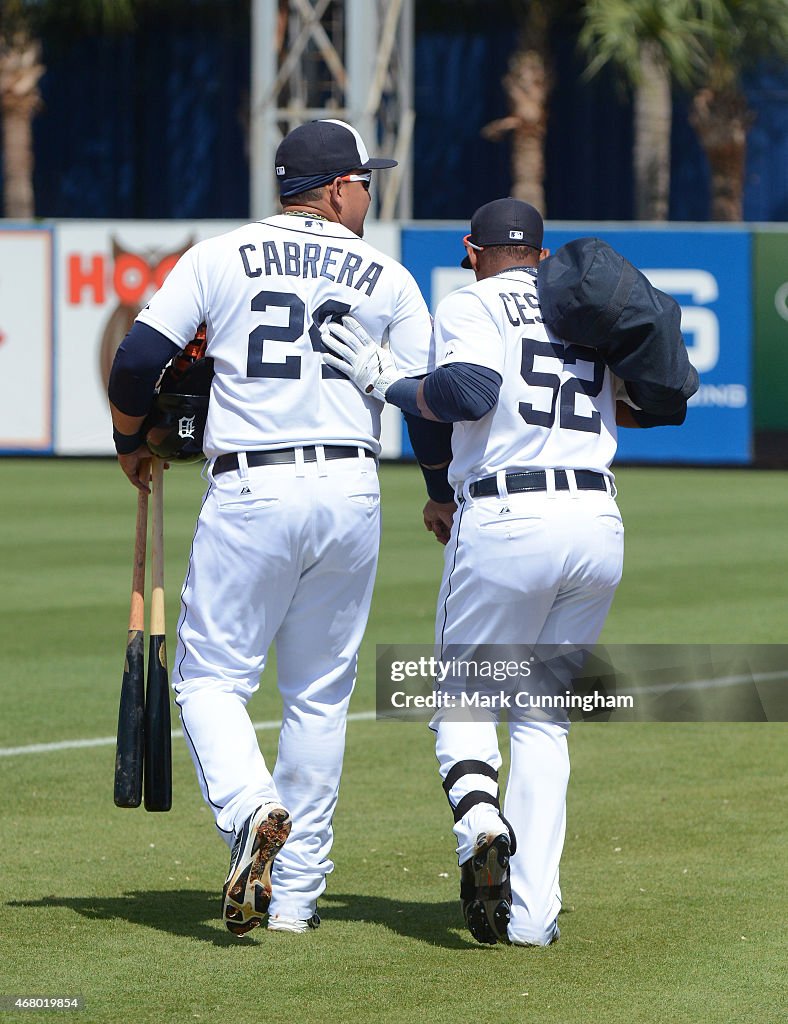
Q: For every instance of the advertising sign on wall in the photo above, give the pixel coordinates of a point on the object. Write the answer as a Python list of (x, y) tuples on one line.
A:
[(25, 340), (708, 273)]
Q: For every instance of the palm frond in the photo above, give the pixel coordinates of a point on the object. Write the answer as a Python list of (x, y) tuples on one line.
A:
[(691, 36)]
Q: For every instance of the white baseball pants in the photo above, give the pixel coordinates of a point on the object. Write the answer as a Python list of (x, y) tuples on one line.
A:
[(542, 571), (286, 555)]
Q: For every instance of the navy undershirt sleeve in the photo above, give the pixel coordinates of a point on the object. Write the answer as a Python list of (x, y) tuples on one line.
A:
[(431, 443), (462, 391), (141, 357), (459, 391), (402, 393)]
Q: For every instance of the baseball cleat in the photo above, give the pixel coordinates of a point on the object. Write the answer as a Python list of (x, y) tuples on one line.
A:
[(289, 924), (485, 888), (247, 891)]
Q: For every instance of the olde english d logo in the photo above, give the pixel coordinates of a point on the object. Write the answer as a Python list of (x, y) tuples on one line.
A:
[(186, 427)]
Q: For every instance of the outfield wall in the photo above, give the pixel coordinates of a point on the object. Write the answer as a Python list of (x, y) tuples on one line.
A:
[(69, 291)]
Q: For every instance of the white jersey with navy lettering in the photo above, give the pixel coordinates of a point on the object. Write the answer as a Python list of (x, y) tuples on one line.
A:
[(556, 407), (532, 563), (286, 544), (263, 290)]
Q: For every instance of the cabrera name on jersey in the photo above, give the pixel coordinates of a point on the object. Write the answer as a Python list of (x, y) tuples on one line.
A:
[(263, 290), (556, 406)]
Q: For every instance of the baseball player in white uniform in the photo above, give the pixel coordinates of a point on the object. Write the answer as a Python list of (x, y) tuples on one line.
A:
[(286, 543), (535, 551)]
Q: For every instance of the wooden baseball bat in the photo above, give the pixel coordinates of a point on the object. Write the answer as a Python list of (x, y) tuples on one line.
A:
[(158, 752), (131, 714)]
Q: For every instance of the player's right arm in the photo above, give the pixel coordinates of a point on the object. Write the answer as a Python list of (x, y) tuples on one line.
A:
[(469, 371), (137, 365), (160, 331), (179, 306), (462, 388), (466, 384)]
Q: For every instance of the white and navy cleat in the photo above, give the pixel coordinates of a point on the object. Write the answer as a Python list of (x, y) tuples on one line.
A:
[(485, 888), (247, 891)]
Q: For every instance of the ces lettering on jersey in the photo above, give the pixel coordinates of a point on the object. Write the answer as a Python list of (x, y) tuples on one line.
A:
[(518, 305)]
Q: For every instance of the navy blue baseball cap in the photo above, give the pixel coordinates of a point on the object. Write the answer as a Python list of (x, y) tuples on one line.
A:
[(317, 152), (505, 222)]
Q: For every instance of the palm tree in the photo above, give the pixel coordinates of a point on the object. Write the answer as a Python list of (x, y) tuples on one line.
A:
[(527, 84), (704, 46), (651, 44), (21, 69), (741, 34)]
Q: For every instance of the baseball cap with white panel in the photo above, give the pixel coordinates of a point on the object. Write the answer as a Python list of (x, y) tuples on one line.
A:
[(315, 153)]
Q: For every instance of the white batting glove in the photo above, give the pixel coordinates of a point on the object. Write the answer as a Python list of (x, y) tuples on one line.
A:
[(353, 352)]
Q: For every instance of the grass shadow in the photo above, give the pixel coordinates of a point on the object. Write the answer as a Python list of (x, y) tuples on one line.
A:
[(194, 914), (434, 923), (190, 913)]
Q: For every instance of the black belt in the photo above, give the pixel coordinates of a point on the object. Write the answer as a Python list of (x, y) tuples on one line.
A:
[(536, 480), (287, 456)]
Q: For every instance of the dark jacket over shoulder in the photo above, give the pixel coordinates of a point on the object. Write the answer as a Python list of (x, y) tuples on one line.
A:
[(590, 295)]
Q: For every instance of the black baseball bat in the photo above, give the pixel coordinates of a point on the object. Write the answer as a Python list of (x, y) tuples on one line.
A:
[(131, 713), (158, 743)]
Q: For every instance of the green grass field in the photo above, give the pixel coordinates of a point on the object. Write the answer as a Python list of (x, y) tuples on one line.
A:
[(674, 868)]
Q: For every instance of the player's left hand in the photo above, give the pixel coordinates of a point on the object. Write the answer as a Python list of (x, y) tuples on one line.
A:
[(438, 518), (353, 352)]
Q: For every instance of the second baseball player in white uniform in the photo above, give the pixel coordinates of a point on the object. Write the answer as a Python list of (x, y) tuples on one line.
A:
[(286, 543), (535, 551), (535, 556)]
